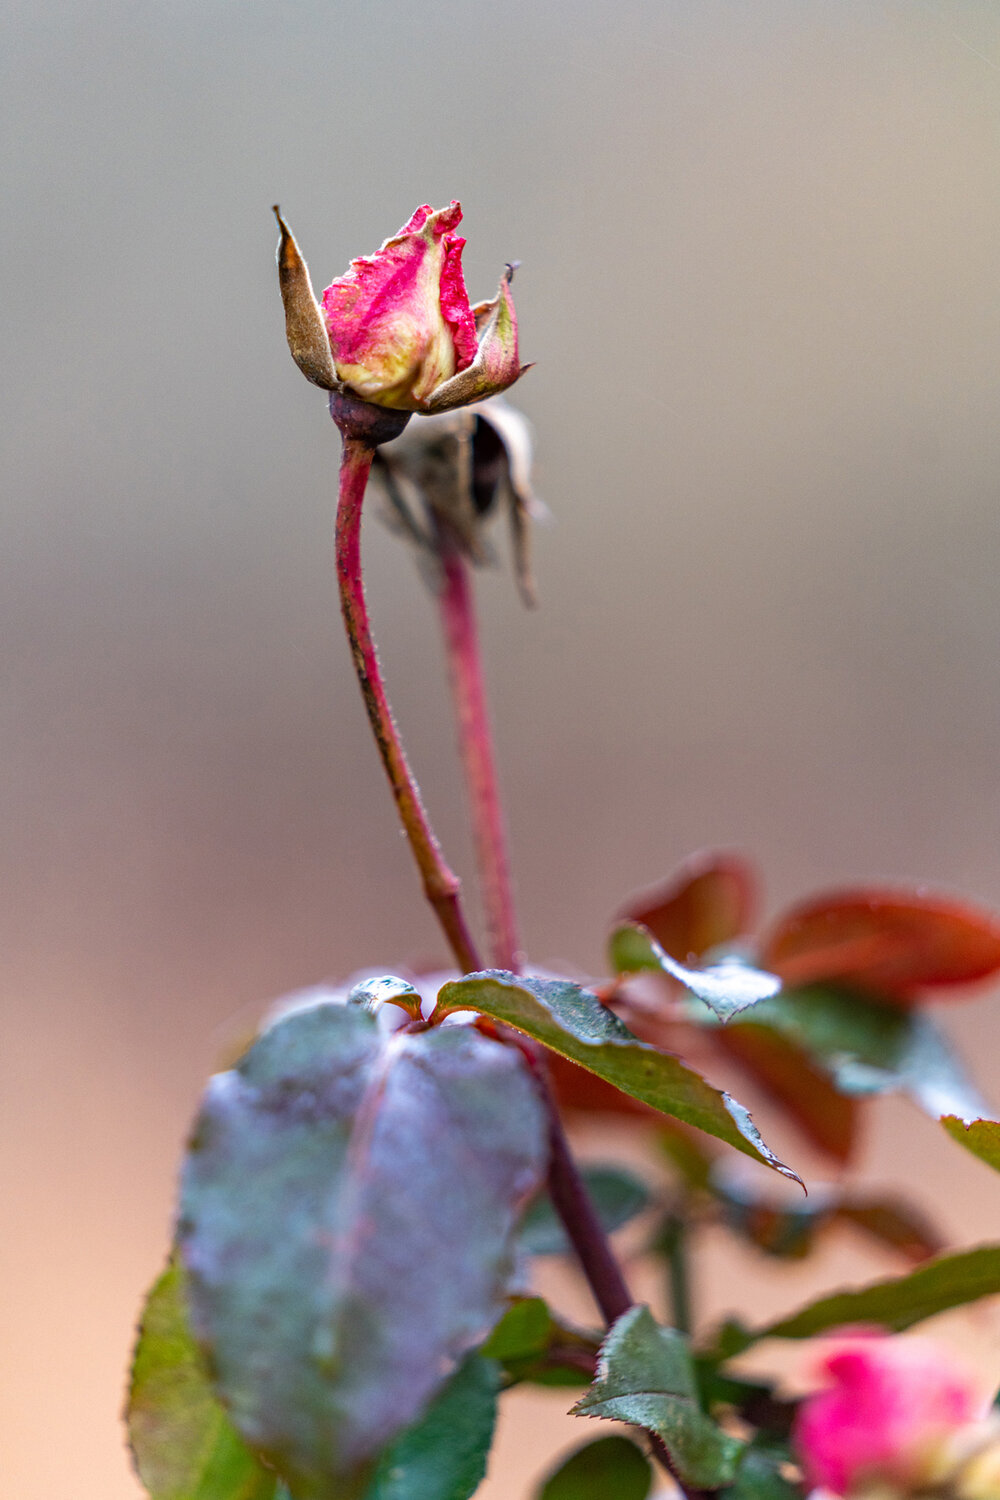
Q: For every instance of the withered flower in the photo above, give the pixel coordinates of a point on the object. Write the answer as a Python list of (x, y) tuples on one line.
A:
[(447, 477), (397, 329)]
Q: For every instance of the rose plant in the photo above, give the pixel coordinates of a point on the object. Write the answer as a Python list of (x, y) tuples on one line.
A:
[(366, 1190)]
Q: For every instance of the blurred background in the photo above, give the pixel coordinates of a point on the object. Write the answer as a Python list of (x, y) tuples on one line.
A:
[(760, 249)]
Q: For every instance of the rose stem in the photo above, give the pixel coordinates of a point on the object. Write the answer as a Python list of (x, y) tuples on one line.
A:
[(458, 619), (568, 1191), (441, 885), (604, 1276)]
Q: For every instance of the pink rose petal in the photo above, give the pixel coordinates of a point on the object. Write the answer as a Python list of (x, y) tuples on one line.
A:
[(890, 1404), (399, 321)]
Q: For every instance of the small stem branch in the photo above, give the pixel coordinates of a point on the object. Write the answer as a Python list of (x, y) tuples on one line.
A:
[(441, 885), (458, 619), (673, 1241)]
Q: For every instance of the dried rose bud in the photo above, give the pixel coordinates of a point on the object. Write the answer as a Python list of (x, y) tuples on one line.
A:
[(883, 1425), (397, 329), (448, 476)]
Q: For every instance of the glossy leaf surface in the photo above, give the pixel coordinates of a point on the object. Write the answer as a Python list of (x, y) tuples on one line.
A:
[(342, 1257), (443, 1457), (183, 1443), (790, 1231), (573, 1022), (981, 1137), (894, 943), (898, 1225), (868, 1047), (758, 1478), (578, 1089), (896, 1304), (826, 1117), (710, 900), (646, 1377), (616, 1194), (726, 987), (533, 1344), (610, 1466)]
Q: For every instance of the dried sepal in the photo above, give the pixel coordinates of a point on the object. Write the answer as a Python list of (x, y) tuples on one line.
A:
[(304, 325), (496, 365)]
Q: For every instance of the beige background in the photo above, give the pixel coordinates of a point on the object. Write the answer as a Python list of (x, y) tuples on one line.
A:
[(761, 280)]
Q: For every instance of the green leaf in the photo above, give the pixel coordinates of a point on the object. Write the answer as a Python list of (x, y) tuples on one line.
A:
[(184, 1445), (758, 1479), (981, 1137), (574, 1023), (443, 1457), (646, 1377), (937, 1285), (617, 1196), (753, 1400), (726, 987), (533, 1344), (868, 1047), (608, 1466), (523, 1330), (686, 1154), (342, 1257)]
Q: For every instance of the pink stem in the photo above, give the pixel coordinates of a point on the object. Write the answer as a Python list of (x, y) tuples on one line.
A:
[(458, 618), (441, 885)]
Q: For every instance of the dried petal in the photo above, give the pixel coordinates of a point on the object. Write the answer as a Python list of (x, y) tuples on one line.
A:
[(399, 321)]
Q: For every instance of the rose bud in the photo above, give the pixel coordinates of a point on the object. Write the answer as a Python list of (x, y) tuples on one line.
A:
[(398, 326), (884, 1424)]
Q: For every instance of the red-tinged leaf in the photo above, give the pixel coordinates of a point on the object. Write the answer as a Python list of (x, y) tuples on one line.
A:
[(898, 1225), (789, 1229), (578, 1089), (827, 1118), (710, 900), (898, 944), (981, 1137), (342, 1257), (784, 1231)]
